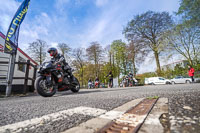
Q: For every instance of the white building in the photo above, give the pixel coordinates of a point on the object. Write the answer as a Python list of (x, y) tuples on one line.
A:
[(182, 63), (19, 68)]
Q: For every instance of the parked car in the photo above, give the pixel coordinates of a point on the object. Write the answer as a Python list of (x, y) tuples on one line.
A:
[(197, 80), (157, 80), (181, 80)]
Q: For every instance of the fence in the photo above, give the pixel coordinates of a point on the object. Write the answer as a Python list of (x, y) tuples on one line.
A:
[(25, 78)]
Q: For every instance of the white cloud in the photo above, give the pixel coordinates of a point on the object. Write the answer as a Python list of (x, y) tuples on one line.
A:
[(60, 4), (104, 29), (9, 6), (7, 12), (101, 2), (53, 44), (37, 29)]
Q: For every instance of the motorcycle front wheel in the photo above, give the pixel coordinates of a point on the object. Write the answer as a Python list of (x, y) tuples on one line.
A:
[(42, 89), (76, 87)]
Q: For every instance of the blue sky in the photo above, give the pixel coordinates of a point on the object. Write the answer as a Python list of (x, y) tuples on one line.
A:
[(78, 22)]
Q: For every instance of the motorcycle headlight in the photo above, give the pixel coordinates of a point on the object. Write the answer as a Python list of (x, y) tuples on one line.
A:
[(44, 67)]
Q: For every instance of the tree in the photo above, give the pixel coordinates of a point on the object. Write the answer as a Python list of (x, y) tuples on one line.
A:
[(78, 54), (119, 50), (95, 54), (136, 52), (150, 27), (185, 40), (110, 64), (190, 11), (65, 49), (109, 54), (38, 50), (178, 70)]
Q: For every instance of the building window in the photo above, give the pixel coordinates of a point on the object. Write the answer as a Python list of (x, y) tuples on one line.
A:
[(21, 67)]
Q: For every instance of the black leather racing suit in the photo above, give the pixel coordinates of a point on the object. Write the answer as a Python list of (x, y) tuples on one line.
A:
[(61, 59)]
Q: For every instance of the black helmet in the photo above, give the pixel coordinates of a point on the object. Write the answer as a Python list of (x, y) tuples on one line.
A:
[(52, 51)]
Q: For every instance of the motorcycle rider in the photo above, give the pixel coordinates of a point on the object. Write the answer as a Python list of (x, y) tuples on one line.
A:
[(133, 80), (130, 75), (60, 59)]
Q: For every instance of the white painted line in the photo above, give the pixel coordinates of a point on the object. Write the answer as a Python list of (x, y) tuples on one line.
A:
[(131, 119), (52, 117), (125, 118), (153, 120), (111, 115)]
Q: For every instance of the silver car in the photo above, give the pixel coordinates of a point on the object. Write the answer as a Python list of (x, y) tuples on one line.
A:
[(181, 80)]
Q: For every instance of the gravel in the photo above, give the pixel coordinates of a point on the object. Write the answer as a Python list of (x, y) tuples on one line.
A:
[(184, 113)]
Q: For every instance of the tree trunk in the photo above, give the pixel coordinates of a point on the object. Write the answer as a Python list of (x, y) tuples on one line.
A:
[(157, 62), (113, 64), (133, 61), (40, 55), (190, 60), (134, 68), (82, 76), (110, 56)]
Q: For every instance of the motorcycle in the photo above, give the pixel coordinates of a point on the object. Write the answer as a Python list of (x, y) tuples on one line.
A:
[(51, 79), (130, 82), (90, 86), (97, 83)]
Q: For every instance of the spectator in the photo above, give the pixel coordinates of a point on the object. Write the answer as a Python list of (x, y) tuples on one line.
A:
[(89, 83), (110, 75), (97, 79), (191, 72)]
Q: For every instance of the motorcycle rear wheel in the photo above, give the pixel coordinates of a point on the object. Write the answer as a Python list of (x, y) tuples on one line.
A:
[(41, 90)]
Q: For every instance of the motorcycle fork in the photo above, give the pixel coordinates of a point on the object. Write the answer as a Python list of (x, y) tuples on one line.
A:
[(48, 77), (49, 80)]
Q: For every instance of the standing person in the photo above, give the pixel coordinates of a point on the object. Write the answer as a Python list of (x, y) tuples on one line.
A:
[(130, 79), (110, 75), (124, 81), (191, 72), (89, 83)]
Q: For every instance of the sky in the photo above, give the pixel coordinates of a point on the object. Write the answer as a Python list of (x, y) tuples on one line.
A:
[(80, 22)]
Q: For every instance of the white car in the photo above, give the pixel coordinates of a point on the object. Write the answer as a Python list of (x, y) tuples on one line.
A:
[(157, 80), (181, 80)]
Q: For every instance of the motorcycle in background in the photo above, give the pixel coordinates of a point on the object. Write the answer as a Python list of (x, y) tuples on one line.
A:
[(90, 85), (97, 84)]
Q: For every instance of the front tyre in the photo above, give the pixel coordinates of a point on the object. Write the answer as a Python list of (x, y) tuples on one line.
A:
[(76, 87), (42, 89)]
